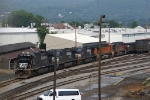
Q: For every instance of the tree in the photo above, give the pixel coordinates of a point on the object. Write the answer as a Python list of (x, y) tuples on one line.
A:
[(42, 31), (114, 24), (3, 23), (134, 24), (38, 20), (23, 18)]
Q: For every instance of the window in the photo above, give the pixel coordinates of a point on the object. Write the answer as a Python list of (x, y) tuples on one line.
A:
[(68, 93), (47, 93), (68, 53), (79, 50)]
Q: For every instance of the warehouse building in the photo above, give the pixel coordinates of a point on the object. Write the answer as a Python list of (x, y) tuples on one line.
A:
[(8, 53), (17, 35), (66, 40), (118, 34)]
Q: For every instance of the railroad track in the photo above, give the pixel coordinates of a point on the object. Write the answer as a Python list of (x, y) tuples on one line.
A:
[(40, 90), (7, 82), (12, 93), (29, 94), (104, 63)]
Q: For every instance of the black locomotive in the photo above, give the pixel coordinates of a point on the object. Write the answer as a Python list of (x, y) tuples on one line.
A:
[(31, 64)]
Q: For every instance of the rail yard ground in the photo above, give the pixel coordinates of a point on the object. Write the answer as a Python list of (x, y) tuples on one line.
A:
[(115, 86)]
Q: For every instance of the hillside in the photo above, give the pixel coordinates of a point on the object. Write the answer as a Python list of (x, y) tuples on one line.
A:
[(82, 10)]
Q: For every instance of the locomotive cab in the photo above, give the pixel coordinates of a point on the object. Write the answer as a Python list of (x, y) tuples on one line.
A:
[(23, 66)]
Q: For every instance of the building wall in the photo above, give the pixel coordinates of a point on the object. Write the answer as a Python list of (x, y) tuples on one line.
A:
[(53, 42), (10, 38), (128, 38), (4, 63), (133, 37), (114, 37)]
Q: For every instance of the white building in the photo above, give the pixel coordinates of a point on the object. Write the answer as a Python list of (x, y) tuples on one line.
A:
[(66, 40), (17, 35)]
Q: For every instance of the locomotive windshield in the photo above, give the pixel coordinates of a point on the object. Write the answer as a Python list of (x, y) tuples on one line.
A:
[(24, 61), (79, 50)]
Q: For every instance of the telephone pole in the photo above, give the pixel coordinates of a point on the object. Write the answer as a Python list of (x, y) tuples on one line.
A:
[(75, 36), (109, 33), (54, 88), (99, 51)]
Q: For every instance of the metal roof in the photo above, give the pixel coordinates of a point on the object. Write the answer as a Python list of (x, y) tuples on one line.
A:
[(15, 47), (13, 55), (80, 38), (14, 30)]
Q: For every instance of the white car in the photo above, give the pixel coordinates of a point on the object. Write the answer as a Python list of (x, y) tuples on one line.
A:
[(61, 94)]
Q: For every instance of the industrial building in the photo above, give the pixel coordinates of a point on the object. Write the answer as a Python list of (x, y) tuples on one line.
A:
[(17, 35), (67, 40)]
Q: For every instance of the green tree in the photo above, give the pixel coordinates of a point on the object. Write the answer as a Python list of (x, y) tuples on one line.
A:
[(37, 20), (42, 31), (23, 18), (114, 24), (20, 18), (3, 23), (134, 24)]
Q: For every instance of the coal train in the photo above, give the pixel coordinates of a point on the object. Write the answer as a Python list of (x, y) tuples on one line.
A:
[(31, 64)]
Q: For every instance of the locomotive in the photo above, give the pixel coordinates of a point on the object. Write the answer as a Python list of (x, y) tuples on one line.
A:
[(31, 64), (28, 64)]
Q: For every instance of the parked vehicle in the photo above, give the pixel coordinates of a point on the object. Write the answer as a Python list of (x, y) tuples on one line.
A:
[(61, 94)]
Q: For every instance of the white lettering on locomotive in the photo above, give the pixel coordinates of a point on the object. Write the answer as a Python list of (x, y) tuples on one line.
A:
[(23, 65)]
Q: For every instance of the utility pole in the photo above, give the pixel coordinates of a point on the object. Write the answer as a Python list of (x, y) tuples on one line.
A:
[(99, 67), (109, 33), (75, 36), (54, 88)]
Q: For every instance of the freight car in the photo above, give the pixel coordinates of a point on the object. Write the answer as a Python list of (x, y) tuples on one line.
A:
[(130, 47), (142, 45), (29, 64)]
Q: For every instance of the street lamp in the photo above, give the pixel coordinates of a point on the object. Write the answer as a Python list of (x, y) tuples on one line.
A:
[(99, 67)]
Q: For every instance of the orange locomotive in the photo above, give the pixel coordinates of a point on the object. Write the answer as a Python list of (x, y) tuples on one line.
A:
[(110, 50), (106, 51)]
